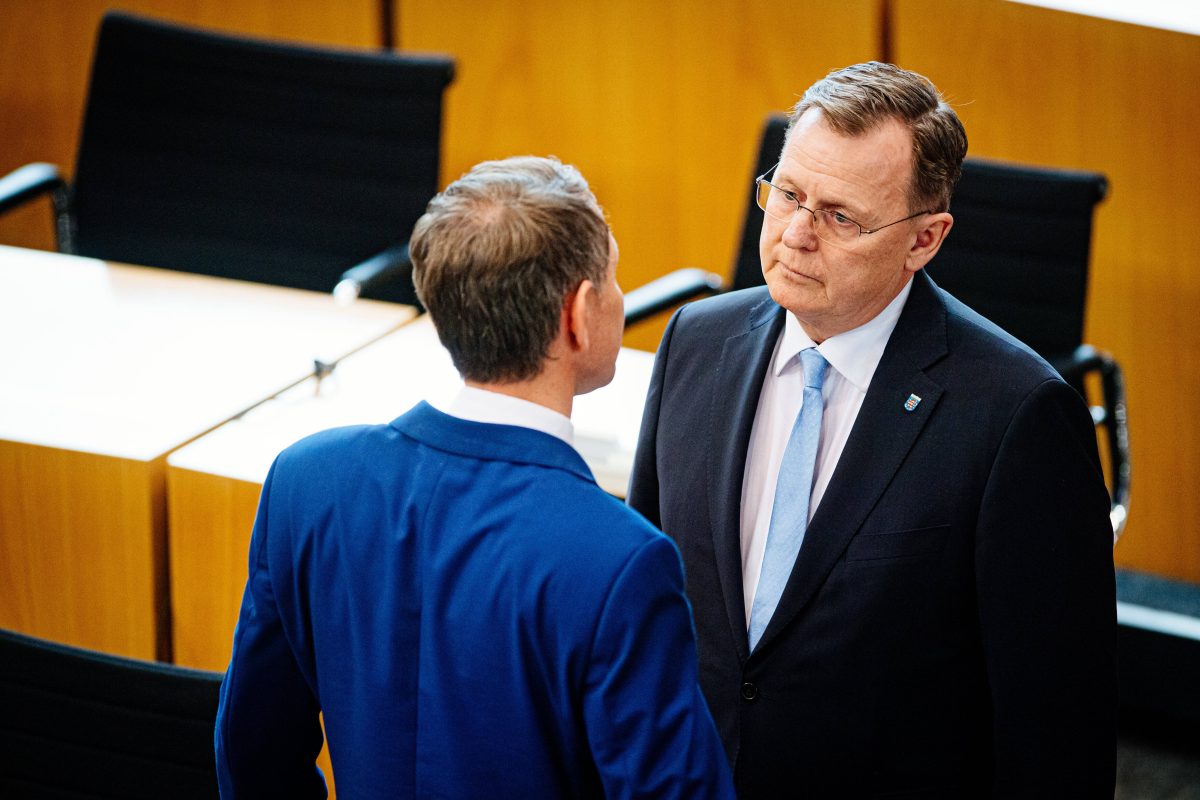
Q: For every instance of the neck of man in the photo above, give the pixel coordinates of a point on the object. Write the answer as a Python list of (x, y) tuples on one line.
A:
[(551, 387)]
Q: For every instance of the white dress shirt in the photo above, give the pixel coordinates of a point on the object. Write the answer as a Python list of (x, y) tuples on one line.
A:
[(480, 405), (853, 357)]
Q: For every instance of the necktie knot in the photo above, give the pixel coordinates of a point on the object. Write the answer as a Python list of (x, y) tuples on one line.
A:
[(815, 367)]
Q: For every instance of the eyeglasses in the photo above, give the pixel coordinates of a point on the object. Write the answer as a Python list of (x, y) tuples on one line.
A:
[(833, 227)]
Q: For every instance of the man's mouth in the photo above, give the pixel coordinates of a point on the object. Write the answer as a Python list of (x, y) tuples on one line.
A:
[(796, 273)]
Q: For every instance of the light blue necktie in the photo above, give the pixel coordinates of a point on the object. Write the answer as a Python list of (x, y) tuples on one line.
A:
[(789, 515)]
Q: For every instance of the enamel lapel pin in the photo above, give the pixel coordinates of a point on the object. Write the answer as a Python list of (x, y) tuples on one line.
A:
[(912, 402)]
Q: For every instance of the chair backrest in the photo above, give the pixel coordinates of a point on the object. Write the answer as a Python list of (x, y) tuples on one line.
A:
[(747, 268), (270, 162), (1020, 248), (76, 723)]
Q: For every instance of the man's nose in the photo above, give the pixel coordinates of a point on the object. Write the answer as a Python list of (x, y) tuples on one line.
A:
[(799, 233)]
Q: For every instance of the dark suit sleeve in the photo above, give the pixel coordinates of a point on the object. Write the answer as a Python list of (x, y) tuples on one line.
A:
[(268, 733), (1047, 603), (648, 726), (643, 479)]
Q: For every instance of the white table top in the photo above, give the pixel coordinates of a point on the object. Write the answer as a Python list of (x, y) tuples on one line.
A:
[(382, 381), (133, 361)]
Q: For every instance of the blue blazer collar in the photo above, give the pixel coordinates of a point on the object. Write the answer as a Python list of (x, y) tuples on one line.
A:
[(480, 440)]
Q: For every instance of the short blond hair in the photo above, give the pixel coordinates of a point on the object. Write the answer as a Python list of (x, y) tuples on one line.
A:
[(495, 256), (858, 98)]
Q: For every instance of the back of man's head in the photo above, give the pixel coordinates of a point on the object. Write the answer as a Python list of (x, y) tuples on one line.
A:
[(857, 98), (495, 256)]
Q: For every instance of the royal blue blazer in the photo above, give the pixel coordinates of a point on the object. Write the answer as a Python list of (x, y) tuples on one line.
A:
[(473, 616)]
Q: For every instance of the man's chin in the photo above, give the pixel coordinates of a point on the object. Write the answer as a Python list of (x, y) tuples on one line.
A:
[(596, 382), (793, 296)]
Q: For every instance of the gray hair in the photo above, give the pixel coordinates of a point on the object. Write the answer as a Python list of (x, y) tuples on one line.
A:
[(857, 98)]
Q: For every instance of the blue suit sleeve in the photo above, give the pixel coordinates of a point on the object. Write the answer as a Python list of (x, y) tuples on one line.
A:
[(268, 732), (648, 726)]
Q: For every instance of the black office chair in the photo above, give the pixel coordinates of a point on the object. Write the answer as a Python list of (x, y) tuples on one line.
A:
[(269, 162), (1018, 254), (81, 724)]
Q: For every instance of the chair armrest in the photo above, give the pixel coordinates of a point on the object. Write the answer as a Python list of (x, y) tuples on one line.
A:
[(1111, 415), (386, 266), (28, 182), (671, 289)]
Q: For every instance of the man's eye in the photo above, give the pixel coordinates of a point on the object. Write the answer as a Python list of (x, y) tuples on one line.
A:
[(791, 196), (841, 219)]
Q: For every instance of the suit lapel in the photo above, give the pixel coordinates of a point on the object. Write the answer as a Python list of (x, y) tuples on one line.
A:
[(736, 388), (881, 438)]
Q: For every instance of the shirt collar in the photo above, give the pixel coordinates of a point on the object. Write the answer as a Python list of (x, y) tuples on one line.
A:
[(854, 354), (480, 405)]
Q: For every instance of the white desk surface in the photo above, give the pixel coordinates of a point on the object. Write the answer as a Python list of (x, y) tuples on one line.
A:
[(382, 381), (132, 361)]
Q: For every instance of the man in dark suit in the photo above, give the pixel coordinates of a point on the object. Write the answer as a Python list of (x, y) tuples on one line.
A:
[(472, 613), (892, 515)]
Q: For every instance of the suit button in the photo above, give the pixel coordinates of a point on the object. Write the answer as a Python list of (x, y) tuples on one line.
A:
[(749, 691)]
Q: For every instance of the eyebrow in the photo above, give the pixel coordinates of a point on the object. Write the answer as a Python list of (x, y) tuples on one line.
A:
[(853, 211)]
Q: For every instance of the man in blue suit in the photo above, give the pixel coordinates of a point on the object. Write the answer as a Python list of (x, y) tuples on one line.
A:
[(891, 513), (471, 613)]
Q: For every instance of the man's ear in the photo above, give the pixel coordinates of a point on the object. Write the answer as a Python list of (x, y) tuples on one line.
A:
[(930, 236), (577, 308)]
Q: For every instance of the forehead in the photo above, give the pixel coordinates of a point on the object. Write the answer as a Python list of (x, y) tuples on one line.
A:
[(871, 168)]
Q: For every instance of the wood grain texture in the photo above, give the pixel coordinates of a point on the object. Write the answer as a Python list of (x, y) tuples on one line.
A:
[(210, 519), (80, 546), (45, 57), (659, 104), (1047, 87)]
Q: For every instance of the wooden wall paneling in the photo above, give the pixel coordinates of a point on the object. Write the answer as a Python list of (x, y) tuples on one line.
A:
[(1047, 87), (659, 104), (45, 58)]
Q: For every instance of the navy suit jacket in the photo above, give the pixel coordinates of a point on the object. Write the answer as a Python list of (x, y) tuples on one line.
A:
[(948, 629), (475, 618)]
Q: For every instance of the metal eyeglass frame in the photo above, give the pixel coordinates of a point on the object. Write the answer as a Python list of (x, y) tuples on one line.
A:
[(761, 179)]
